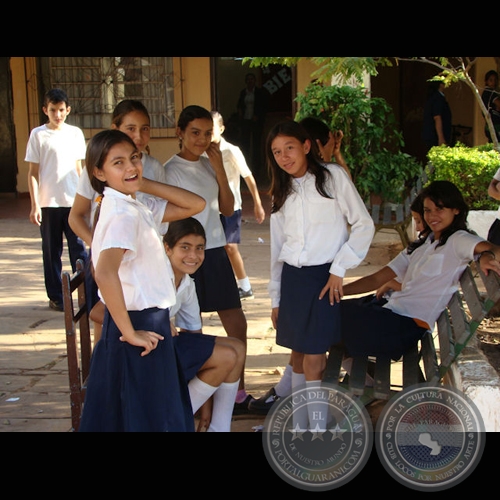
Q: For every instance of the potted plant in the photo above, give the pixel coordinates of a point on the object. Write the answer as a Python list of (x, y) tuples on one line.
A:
[(372, 142)]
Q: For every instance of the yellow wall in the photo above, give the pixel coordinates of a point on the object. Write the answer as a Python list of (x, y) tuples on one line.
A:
[(20, 116)]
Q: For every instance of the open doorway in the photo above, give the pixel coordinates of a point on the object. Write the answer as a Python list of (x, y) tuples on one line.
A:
[(276, 85)]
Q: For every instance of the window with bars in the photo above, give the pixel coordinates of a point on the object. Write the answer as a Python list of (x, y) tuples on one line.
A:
[(96, 84)]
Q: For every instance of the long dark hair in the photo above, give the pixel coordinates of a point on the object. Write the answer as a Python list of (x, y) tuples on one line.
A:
[(281, 182), (417, 206), (445, 194)]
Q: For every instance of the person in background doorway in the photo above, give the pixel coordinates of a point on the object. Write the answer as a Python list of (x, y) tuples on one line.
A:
[(252, 108), (437, 126), (236, 168), (491, 99), (55, 152)]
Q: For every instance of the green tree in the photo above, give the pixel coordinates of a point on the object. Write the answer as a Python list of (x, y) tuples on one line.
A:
[(449, 69)]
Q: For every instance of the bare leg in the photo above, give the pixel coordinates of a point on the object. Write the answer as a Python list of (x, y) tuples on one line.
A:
[(236, 260), (235, 324), (97, 317)]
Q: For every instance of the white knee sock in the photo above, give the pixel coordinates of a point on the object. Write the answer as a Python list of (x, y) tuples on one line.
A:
[(222, 410), (316, 408), (284, 387), (300, 417), (199, 392)]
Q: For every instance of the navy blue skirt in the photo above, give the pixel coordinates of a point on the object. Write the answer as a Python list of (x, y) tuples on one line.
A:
[(368, 329), (193, 350), (216, 286), (130, 392), (305, 323)]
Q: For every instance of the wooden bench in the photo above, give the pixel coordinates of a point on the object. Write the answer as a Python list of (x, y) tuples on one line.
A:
[(397, 216), (429, 361), (78, 338)]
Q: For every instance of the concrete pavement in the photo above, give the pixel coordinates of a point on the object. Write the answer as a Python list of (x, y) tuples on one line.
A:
[(34, 390)]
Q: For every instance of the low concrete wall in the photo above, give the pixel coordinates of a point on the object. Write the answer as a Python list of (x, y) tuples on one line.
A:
[(473, 375), (481, 220)]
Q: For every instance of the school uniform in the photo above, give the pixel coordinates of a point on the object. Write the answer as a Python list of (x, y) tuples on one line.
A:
[(193, 349), (151, 169), (127, 391), (215, 283), (429, 277), (311, 238), (57, 152)]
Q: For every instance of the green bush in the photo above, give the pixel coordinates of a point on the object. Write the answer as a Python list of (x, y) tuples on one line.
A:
[(470, 169), (372, 141)]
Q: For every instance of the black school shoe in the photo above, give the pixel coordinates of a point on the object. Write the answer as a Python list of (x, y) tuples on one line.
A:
[(243, 407), (56, 306), (264, 403)]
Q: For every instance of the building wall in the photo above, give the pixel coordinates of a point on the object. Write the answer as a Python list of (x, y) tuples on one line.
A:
[(194, 83)]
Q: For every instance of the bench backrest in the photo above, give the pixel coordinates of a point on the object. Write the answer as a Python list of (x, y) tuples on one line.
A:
[(465, 311)]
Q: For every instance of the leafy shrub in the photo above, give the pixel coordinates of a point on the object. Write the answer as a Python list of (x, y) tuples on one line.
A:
[(372, 141), (470, 169)]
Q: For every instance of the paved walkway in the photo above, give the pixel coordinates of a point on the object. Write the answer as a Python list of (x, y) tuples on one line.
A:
[(34, 393)]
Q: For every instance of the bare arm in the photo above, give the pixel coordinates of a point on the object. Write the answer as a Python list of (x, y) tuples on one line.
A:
[(438, 123), (181, 202), (258, 210), (108, 281), (226, 197), (370, 282), (387, 287), (33, 185), (331, 150), (79, 218), (79, 167), (493, 189)]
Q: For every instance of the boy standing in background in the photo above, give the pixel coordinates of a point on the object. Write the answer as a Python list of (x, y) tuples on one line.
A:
[(236, 167), (55, 152)]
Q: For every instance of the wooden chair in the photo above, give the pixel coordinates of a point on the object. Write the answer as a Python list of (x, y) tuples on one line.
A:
[(78, 340)]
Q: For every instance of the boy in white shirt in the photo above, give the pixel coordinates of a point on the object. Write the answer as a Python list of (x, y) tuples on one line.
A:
[(55, 152)]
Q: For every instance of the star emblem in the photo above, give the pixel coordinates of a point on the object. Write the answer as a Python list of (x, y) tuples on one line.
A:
[(297, 433), (317, 433), (337, 433)]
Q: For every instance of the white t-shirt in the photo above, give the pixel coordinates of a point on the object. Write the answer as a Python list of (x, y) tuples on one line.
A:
[(145, 273), (429, 275), (199, 177), (236, 167), (56, 152), (186, 310)]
